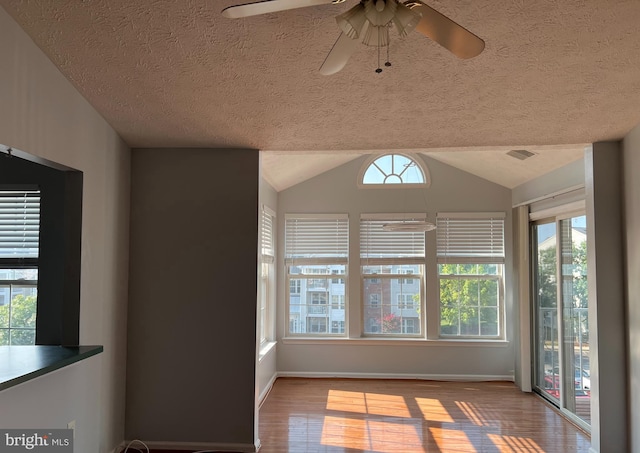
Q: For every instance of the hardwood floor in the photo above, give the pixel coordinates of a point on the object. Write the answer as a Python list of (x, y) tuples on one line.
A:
[(357, 415)]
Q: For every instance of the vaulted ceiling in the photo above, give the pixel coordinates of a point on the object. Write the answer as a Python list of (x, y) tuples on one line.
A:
[(165, 73)]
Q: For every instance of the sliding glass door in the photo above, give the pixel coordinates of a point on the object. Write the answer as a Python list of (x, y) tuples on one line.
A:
[(561, 321)]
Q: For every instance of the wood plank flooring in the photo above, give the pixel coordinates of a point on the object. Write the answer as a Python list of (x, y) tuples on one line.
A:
[(361, 415)]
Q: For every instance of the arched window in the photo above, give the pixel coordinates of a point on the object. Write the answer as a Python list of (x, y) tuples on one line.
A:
[(394, 169)]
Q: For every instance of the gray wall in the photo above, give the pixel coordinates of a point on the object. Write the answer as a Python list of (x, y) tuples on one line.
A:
[(44, 115), (631, 169), (192, 303), (336, 191), (607, 355)]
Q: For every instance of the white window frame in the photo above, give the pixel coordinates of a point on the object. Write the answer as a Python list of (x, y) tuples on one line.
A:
[(312, 241), (412, 157), (19, 245), (389, 248), (267, 276), (486, 247)]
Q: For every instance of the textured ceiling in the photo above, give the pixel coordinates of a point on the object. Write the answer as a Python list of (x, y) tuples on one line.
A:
[(176, 73)]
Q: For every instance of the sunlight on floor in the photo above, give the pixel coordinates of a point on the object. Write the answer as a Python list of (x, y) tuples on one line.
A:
[(471, 413), (513, 444), (380, 436), (452, 440), (432, 409), (367, 403)]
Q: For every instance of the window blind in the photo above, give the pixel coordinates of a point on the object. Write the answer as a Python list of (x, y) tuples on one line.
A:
[(19, 224), (267, 239), (316, 238), (390, 247), (470, 237)]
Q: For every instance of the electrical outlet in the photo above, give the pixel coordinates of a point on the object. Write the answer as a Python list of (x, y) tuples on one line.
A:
[(72, 425)]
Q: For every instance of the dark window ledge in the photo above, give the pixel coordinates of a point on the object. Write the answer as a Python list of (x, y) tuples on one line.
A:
[(20, 364)]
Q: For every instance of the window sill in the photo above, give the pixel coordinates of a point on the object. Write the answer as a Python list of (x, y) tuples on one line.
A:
[(265, 349), (398, 342), (19, 364)]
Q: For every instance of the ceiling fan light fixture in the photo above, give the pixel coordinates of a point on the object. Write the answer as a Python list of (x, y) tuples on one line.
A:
[(352, 21), (405, 19), (376, 36), (380, 13)]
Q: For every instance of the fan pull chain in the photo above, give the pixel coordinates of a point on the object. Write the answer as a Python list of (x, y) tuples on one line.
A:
[(379, 70), (388, 63)]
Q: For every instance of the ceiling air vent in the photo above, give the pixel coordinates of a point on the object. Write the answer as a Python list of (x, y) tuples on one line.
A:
[(521, 154)]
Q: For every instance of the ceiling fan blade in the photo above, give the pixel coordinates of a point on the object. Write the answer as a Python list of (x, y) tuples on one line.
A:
[(339, 54), (269, 6), (453, 37)]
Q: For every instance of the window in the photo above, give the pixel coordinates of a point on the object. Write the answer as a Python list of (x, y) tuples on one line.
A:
[(267, 273), (337, 302), (385, 257), (406, 281), (470, 272), (409, 325), (294, 287), (316, 250), (19, 252), (405, 301), (59, 242), (317, 325), (394, 169)]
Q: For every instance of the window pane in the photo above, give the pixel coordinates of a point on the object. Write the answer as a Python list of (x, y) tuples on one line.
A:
[(317, 299), (23, 307), (22, 336), (489, 321), (468, 320), (4, 337), (373, 175), (393, 169), (470, 306), (391, 306)]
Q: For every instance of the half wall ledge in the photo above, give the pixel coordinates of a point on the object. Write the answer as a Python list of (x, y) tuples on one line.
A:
[(19, 364)]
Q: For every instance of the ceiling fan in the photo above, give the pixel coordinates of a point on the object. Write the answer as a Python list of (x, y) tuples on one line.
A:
[(369, 22)]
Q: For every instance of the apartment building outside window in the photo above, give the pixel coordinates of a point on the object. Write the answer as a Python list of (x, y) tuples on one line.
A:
[(392, 304), (316, 257)]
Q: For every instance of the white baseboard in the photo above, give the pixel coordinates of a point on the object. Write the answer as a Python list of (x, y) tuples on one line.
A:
[(265, 392), (206, 446), (426, 377)]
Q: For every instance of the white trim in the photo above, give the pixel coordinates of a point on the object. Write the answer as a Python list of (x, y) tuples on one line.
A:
[(268, 210), (369, 341), (414, 157), (267, 389), (394, 216), (425, 377), (472, 215), (266, 348), (551, 195), (213, 446), (293, 215), (576, 206)]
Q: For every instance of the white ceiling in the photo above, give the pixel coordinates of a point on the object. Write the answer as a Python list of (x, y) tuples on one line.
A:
[(166, 73)]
